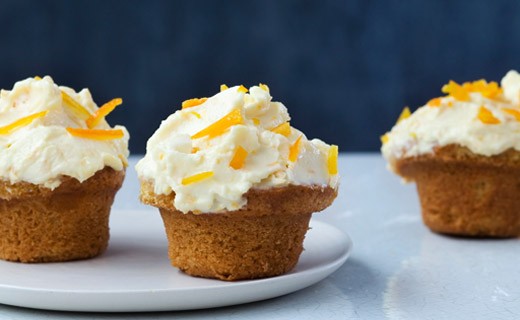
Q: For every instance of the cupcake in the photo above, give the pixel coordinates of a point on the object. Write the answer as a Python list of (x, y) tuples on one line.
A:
[(60, 167), (235, 184), (463, 152)]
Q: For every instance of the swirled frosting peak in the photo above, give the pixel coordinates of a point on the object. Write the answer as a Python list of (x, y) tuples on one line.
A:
[(213, 150)]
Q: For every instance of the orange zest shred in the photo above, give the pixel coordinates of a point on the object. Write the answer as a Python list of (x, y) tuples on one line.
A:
[(223, 87), (193, 102), (385, 138), (196, 114), (515, 113), (456, 91), (294, 149), (219, 127), (264, 87), (404, 114), (197, 177), (435, 102), (75, 107), (239, 158), (487, 116), (284, 129), (332, 160), (21, 122), (96, 134), (102, 112), (242, 89), (489, 90), (123, 160)]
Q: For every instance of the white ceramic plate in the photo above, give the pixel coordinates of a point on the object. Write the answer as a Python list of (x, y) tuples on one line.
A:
[(135, 274)]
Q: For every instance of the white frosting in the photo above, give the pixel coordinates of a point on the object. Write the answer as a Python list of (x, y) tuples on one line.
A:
[(457, 122), (511, 86), (43, 151), (169, 156)]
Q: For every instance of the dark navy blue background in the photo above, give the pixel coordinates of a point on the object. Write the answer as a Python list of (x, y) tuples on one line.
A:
[(344, 69)]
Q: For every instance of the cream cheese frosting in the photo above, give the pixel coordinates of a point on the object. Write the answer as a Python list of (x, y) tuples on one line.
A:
[(42, 150), (212, 153), (483, 117)]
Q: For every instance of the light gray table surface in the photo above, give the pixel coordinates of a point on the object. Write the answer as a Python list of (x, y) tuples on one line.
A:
[(398, 268)]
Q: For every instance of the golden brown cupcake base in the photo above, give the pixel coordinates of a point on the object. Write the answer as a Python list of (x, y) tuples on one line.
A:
[(231, 248), (462, 193), (68, 223), (262, 239)]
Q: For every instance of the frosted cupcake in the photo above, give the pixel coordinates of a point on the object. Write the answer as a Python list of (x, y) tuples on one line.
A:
[(60, 167), (236, 185), (463, 152)]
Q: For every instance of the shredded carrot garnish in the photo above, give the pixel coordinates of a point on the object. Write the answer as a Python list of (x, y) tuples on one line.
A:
[(239, 158), (435, 102), (284, 129), (195, 150), (487, 116), (96, 134), (75, 107), (384, 138), (242, 89), (332, 160), (102, 112), (219, 127), (404, 114), (256, 121), (21, 122), (193, 102), (294, 150), (197, 177), (264, 87), (456, 91), (223, 87), (515, 113)]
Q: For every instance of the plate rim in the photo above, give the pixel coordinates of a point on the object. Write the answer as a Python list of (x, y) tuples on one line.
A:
[(317, 273)]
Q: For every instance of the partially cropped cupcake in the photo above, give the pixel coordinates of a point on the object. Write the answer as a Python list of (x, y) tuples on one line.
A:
[(463, 152), (236, 185), (60, 167)]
